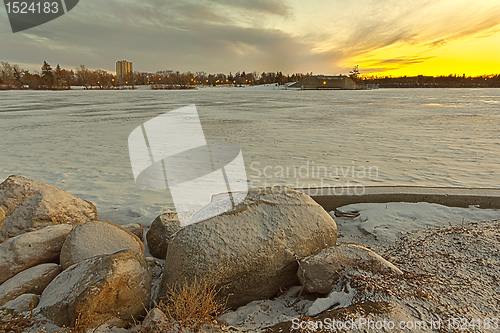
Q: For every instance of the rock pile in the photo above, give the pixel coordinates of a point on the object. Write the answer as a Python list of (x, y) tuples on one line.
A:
[(104, 275), (59, 261)]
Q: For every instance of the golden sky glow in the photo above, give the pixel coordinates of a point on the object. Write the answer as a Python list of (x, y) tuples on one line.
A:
[(472, 57), (398, 38)]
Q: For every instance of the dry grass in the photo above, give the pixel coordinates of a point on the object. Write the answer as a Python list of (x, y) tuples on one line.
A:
[(192, 304), (189, 306)]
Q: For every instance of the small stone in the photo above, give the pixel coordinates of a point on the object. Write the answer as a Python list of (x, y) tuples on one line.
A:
[(135, 228), (25, 302), (152, 262), (160, 232), (155, 317)]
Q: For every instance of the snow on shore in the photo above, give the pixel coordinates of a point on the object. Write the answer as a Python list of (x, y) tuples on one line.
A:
[(383, 221), (449, 257)]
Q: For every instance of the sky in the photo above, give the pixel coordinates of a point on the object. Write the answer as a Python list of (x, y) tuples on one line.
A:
[(383, 37)]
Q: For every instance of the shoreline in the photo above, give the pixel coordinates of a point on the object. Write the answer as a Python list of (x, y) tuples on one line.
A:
[(485, 198)]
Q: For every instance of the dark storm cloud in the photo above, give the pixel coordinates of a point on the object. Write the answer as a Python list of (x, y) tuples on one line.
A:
[(277, 7), (181, 35)]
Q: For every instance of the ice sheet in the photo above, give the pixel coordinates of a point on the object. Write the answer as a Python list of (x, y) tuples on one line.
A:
[(77, 140)]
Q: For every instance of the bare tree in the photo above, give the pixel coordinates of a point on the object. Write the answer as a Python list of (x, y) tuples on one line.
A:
[(83, 76), (354, 73)]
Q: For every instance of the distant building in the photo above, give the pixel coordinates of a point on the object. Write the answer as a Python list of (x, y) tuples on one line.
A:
[(123, 68), (320, 82)]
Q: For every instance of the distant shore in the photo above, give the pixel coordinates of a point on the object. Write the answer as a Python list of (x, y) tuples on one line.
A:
[(189, 87)]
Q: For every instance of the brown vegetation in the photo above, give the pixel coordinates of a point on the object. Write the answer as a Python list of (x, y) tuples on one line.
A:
[(191, 305)]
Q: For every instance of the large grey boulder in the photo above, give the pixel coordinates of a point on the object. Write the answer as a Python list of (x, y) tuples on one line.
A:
[(253, 249), (30, 205), (27, 250), (159, 233), (31, 281), (97, 290), (319, 273), (96, 238)]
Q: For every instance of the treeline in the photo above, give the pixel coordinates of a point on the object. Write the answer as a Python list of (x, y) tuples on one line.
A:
[(421, 81), (14, 77), (202, 78)]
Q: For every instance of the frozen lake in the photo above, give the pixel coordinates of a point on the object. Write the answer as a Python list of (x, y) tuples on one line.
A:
[(77, 140)]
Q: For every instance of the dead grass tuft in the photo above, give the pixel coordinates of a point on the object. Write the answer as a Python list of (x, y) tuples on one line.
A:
[(190, 306)]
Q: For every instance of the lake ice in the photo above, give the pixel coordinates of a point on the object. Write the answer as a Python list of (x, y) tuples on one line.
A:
[(77, 140)]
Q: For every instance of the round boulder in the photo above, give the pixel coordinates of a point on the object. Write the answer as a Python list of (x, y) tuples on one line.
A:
[(158, 235), (318, 273), (30, 205), (96, 238), (33, 248), (31, 281), (99, 289), (251, 251)]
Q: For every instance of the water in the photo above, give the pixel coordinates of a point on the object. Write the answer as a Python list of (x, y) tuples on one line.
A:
[(77, 140)]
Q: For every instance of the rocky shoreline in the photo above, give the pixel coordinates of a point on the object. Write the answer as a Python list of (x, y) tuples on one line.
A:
[(272, 260)]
